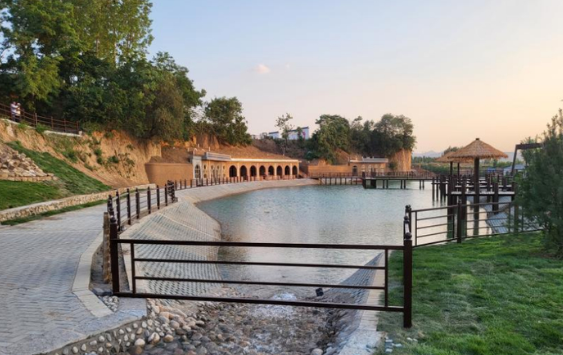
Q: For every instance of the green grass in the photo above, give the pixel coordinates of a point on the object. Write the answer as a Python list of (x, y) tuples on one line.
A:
[(53, 213), (491, 296), (72, 180), (19, 193)]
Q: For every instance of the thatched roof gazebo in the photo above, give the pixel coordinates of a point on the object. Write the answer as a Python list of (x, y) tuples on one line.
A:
[(477, 150), (448, 158)]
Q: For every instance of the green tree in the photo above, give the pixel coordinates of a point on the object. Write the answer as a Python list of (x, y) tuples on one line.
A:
[(392, 134), (285, 127), (541, 187), (226, 121), (333, 134)]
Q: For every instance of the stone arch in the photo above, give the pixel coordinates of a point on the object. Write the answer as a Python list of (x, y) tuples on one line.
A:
[(243, 171), (253, 171), (271, 170), (233, 171), (287, 170), (262, 170), (279, 171), (294, 171)]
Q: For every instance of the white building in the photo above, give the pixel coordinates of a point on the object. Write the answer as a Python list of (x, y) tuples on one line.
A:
[(274, 135), (294, 135)]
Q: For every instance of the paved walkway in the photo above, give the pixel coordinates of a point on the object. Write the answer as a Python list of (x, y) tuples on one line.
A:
[(38, 264)]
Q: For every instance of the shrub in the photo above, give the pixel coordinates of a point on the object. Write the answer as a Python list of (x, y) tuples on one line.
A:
[(113, 159), (71, 155), (41, 128), (540, 188), (100, 160), (98, 152), (23, 126)]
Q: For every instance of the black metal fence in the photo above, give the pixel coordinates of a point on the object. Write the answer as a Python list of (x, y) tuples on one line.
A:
[(462, 221), (135, 204), (406, 248), (234, 180)]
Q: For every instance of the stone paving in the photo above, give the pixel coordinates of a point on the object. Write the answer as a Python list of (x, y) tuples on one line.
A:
[(39, 261)]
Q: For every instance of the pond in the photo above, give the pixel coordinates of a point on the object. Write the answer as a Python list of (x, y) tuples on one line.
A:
[(310, 214)]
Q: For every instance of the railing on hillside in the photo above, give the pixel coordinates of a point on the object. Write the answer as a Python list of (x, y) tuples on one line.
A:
[(463, 221), (406, 248), (33, 119)]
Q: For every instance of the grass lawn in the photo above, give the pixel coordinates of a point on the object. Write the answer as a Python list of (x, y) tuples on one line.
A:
[(19, 193), (72, 180), (491, 296)]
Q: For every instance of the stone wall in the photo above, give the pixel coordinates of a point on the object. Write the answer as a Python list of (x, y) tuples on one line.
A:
[(159, 173), (42, 207)]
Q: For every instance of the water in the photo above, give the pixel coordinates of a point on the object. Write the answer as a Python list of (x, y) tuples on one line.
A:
[(310, 214)]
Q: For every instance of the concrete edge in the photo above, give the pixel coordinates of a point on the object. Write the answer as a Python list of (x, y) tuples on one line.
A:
[(81, 284)]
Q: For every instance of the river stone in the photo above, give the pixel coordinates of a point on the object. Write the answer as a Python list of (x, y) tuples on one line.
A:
[(168, 338), (317, 351), (140, 342)]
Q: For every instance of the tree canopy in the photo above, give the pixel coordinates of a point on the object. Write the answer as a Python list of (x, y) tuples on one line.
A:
[(86, 60), (382, 139), (541, 188)]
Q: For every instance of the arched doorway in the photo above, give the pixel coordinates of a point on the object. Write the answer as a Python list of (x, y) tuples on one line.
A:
[(253, 171), (271, 170), (294, 172), (354, 170), (262, 170), (233, 171), (279, 171), (287, 170), (243, 171), (197, 172)]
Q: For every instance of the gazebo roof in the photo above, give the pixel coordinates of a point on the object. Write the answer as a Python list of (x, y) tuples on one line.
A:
[(479, 150), (448, 158)]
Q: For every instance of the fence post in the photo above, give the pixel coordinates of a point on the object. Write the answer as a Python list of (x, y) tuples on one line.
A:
[(128, 206), (149, 199), (157, 197), (118, 208), (110, 206), (138, 203), (114, 255), (166, 194), (459, 219), (407, 277)]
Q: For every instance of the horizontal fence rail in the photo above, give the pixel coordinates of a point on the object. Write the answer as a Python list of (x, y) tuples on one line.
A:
[(406, 248), (463, 221), (233, 180), (34, 120)]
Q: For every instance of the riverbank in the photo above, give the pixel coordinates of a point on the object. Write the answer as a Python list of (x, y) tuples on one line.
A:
[(201, 328), (490, 296)]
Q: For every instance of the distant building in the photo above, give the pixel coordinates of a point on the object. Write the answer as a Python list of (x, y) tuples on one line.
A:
[(517, 168), (294, 134), (274, 135)]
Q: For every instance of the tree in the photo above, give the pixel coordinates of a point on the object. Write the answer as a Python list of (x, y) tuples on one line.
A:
[(392, 134), (285, 127), (541, 187), (333, 134), (226, 121)]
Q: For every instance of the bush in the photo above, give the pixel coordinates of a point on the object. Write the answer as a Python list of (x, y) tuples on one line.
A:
[(540, 188), (41, 128), (71, 155), (23, 126), (98, 152), (113, 159)]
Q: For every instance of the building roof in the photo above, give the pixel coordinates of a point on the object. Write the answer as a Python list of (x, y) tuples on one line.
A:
[(479, 150), (370, 160)]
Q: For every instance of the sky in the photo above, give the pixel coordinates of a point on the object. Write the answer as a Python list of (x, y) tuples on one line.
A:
[(459, 69)]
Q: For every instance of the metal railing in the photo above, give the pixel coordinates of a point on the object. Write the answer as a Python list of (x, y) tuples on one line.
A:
[(33, 119), (463, 221), (406, 248), (233, 180), (136, 204)]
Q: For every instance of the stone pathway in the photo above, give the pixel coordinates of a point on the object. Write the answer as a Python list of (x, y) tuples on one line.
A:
[(38, 265)]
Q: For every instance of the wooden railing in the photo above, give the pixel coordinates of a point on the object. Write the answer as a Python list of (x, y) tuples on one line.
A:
[(34, 120)]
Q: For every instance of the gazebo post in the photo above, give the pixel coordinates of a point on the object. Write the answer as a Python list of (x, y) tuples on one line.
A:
[(451, 168), (458, 175), (477, 181)]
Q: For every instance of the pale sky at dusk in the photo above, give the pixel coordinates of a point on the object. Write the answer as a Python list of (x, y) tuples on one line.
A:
[(460, 70)]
